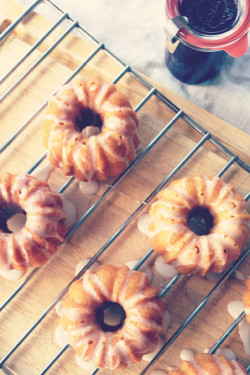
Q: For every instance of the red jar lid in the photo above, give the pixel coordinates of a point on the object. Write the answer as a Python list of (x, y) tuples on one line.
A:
[(233, 41)]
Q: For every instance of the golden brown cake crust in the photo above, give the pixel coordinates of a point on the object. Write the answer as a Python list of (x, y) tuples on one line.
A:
[(179, 245), (139, 332), (209, 364), (44, 228), (90, 157)]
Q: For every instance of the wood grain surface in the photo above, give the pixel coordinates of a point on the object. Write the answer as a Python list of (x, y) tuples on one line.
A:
[(116, 208)]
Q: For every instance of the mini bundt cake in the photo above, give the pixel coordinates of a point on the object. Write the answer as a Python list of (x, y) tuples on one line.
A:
[(44, 223), (75, 107), (112, 344), (246, 300), (199, 224), (208, 364)]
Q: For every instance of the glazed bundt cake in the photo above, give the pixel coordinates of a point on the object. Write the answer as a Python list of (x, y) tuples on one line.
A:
[(75, 107), (199, 224), (107, 343), (44, 225), (208, 364), (246, 300)]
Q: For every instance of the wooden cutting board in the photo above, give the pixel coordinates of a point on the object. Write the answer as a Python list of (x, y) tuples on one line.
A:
[(40, 347)]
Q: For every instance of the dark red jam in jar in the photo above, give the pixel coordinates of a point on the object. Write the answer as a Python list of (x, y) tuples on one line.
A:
[(192, 66), (209, 16), (200, 35)]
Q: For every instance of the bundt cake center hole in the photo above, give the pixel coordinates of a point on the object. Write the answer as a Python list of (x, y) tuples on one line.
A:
[(88, 122), (12, 218), (110, 316), (200, 221)]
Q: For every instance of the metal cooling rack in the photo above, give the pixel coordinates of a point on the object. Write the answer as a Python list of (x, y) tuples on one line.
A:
[(152, 91)]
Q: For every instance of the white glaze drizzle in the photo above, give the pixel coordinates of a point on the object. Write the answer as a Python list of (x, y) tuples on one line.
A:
[(238, 370), (198, 368), (59, 308), (136, 297), (69, 109), (143, 223), (101, 94), (166, 320), (247, 310), (43, 173), (31, 203), (74, 313), (148, 357), (82, 263), (85, 365), (89, 187), (145, 268), (167, 271), (187, 355), (227, 353), (90, 331), (240, 276), (60, 337), (119, 351), (103, 142), (71, 211), (42, 216), (223, 369), (98, 291), (225, 234), (244, 331), (235, 308), (79, 92), (12, 274)]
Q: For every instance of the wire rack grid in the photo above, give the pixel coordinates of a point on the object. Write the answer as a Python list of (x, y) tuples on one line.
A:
[(12, 79)]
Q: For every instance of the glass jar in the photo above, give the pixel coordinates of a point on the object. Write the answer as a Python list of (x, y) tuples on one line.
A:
[(200, 34)]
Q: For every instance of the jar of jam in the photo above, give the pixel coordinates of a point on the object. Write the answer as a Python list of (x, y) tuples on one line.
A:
[(200, 34)]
